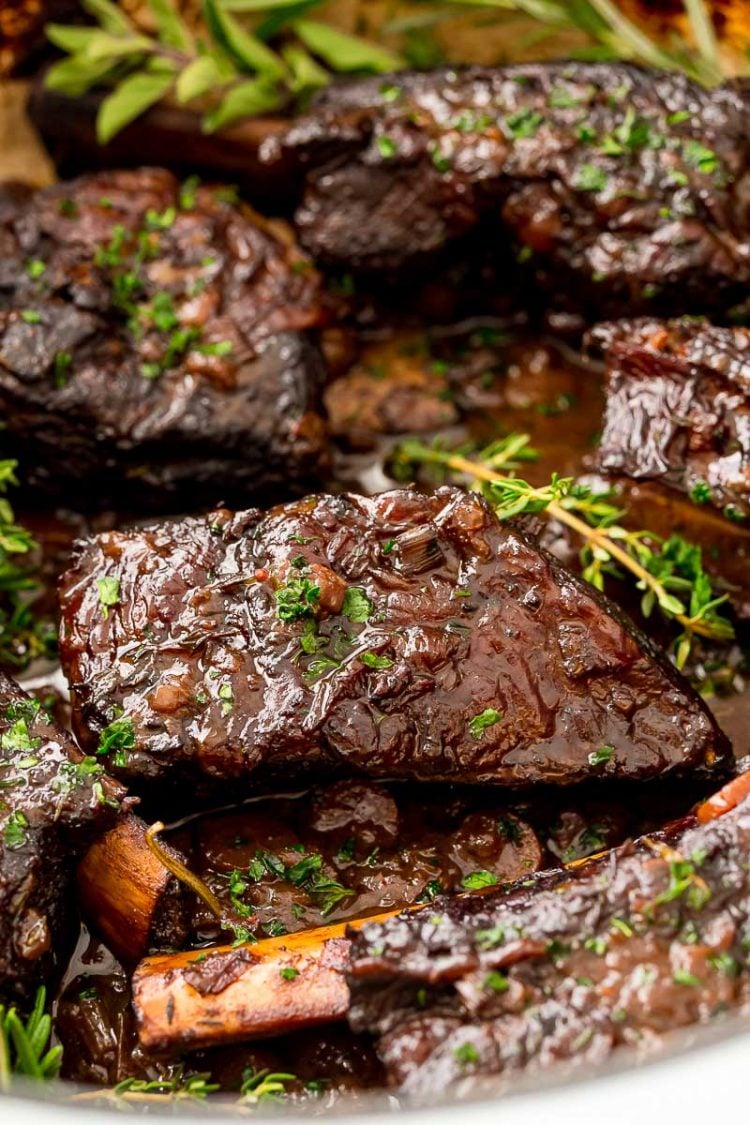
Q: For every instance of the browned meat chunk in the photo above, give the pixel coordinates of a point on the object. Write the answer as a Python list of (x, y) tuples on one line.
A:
[(152, 341), (399, 636), (678, 408), (566, 968), (622, 187), (52, 799)]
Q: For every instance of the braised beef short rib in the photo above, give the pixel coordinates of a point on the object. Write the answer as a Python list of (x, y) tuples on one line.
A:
[(396, 636), (618, 187), (52, 800), (153, 345)]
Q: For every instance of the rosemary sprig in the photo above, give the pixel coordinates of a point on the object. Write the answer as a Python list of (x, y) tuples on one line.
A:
[(24, 1045), (669, 573), (263, 1085)]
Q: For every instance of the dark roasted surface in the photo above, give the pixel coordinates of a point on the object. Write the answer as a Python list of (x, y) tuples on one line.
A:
[(621, 951), (678, 408), (586, 170), (203, 675), (51, 800), (152, 343)]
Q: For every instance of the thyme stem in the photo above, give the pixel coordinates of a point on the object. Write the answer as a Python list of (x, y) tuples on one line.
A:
[(600, 538), (183, 873)]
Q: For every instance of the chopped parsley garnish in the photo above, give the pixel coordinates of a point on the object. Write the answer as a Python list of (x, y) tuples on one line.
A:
[(274, 928), (440, 160), (72, 775), (682, 976), (289, 973), (31, 316), (356, 606), (430, 891), (496, 982), (35, 268), (590, 177), (562, 98), (466, 1053), (118, 736), (62, 364), (17, 738), (388, 546), (477, 880), (14, 833), (386, 147), (297, 598), (601, 756), (701, 493), (632, 133), (109, 594), (470, 122), (226, 695), (490, 939), (700, 157), (305, 870), (485, 719), (372, 660), (390, 93), (523, 123)]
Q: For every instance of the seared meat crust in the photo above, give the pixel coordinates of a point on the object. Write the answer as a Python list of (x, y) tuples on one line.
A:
[(52, 799), (678, 408), (398, 636), (152, 342), (624, 188), (567, 967)]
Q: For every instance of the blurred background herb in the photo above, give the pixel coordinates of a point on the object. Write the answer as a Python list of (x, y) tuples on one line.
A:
[(24, 635), (233, 59)]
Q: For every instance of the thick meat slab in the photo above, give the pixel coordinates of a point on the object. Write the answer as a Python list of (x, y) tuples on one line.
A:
[(151, 341), (625, 949), (621, 186), (398, 636), (52, 799), (678, 409)]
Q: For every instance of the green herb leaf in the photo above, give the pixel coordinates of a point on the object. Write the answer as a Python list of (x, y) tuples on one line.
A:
[(478, 880), (590, 177), (305, 73), (249, 52), (173, 31), (198, 78), (119, 735), (70, 39), (372, 660), (480, 723), (601, 756), (345, 52), (76, 75), (247, 99), (356, 605), (109, 594), (109, 16), (132, 97)]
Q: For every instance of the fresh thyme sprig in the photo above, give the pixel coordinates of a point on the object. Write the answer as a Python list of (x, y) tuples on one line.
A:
[(669, 573), (271, 54), (24, 1045)]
